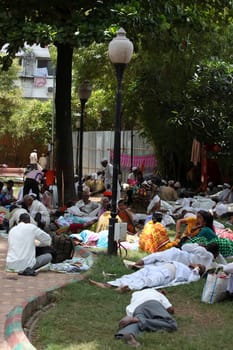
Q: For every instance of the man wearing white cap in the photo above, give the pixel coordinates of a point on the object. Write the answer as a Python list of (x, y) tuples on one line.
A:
[(37, 210), (226, 195), (108, 173), (168, 193)]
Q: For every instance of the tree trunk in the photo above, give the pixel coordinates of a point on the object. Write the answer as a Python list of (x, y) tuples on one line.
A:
[(64, 148)]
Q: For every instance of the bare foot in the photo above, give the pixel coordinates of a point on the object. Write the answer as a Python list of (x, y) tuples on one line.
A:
[(130, 340), (123, 289), (162, 291), (171, 310), (125, 321), (100, 284)]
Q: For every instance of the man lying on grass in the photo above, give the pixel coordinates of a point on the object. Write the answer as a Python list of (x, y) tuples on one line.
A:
[(149, 310), (171, 266), (155, 275)]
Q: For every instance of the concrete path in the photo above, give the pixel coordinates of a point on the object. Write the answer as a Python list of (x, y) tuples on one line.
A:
[(17, 292)]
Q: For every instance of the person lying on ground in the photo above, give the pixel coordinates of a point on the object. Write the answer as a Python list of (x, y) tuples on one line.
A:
[(149, 310), (189, 254), (21, 252), (155, 275), (224, 245)]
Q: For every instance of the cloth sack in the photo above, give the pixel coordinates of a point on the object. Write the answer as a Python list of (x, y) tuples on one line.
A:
[(64, 248), (215, 288)]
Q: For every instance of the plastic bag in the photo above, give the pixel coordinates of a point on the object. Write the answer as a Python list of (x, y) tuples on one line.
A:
[(215, 288)]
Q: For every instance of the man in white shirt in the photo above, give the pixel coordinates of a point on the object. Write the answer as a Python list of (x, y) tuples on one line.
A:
[(86, 207), (37, 210), (108, 173), (33, 159), (43, 161), (14, 216), (156, 274), (21, 252), (148, 310), (189, 254), (154, 204)]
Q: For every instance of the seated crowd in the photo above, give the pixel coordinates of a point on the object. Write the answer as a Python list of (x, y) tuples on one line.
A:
[(146, 231), (200, 240)]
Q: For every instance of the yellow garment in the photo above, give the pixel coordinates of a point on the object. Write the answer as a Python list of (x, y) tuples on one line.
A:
[(191, 222), (153, 238), (103, 221)]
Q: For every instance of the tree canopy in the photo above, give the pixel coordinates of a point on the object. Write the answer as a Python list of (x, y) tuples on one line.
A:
[(172, 40)]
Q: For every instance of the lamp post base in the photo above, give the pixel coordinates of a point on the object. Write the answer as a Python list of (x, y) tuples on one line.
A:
[(112, 244), (80, 192)]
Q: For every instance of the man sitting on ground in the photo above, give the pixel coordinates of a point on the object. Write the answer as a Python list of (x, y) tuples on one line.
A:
[(86, 206), (154, 236), (37, 210), (126, 216), (21, 252), (7, 196), (14, 215)]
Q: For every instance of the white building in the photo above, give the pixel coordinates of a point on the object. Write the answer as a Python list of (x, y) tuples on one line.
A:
[(36, 78)]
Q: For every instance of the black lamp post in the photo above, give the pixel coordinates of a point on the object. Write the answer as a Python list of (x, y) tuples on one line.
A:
[(84, 92), (131, 150), (120, 51), (77, 124)]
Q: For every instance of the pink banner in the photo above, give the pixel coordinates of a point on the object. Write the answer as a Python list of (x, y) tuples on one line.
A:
[(147, 161)]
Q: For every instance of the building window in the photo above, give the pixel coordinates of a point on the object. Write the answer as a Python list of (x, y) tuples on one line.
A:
[(43, 63)]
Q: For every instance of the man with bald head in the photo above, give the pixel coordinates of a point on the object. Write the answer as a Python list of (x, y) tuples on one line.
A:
[(21, 252)]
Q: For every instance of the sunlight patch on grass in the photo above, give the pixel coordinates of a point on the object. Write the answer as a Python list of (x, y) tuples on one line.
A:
[(92, 345)]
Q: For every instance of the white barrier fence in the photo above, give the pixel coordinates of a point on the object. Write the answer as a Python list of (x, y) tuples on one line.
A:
[(99, 144)]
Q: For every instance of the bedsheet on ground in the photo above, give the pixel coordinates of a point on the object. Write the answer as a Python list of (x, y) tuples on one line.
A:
[(87, 238), (224, 233), (75, 265), (72, 219)]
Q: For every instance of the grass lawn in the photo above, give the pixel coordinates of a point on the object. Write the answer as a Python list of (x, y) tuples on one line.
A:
[(86, 317)]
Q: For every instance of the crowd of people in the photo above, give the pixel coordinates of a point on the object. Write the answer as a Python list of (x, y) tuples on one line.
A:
[(200, 237), (168, 204)]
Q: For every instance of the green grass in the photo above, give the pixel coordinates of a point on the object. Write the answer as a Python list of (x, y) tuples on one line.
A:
[(86, 317)]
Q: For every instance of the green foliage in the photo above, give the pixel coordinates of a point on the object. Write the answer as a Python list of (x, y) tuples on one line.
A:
[(21, 120), (92, 63), (167, 59), (160, 96), (210, 93), (33, 118), (10, 97)]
